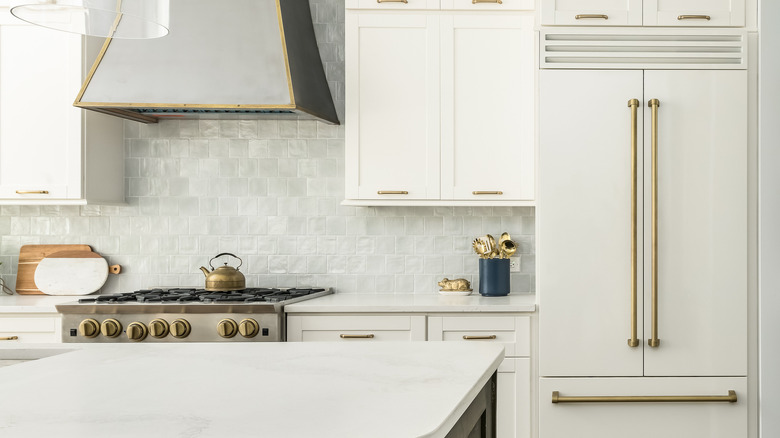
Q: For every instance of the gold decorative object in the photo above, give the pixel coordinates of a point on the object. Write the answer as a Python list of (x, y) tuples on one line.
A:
[(457, 285)]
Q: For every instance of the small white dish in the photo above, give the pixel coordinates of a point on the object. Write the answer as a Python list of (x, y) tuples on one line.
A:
[(455, 293)]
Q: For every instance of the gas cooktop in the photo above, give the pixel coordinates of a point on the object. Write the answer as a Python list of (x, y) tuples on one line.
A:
[(192, 295)]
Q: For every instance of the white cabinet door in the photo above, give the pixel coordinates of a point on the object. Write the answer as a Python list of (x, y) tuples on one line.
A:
[(694, 12), (513, 398), (592, 12), (584, 223), (643, 420), (488, 95), (702, 223), (40, 130), (392, 106)]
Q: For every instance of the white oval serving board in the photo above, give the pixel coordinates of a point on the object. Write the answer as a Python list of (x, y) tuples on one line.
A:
[(71, 273)]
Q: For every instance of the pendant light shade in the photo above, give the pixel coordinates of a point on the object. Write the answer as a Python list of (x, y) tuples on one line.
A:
[(127, 19)]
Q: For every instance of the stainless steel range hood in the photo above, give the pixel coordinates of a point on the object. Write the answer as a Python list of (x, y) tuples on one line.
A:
[(223, 59)]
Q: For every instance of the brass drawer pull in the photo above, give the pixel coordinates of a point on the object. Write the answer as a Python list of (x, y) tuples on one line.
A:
[(475, 338), (583, 16), (32, 192), (9, 338), (392, 192), (694, 17), (392, 1), (368, 336), (731, 398), (474, 2), (487, 192)]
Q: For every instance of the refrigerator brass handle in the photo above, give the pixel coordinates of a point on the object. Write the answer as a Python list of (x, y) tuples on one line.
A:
[(694, 17), (487, 192), (474, 338), (654, 104), (32, 192), (474, 2), (634, 105), (730, 398), (392, 192), (392, 1), (9, 338), (584, 16), (346, 336)]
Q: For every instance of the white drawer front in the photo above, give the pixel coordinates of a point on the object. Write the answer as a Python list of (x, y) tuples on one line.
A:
[(641, 419), (514, 333), (488, 5), (393, 4), (355, 328), (30, 328)]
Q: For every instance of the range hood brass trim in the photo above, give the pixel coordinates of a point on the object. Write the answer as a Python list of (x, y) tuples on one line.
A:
[(284, 52)]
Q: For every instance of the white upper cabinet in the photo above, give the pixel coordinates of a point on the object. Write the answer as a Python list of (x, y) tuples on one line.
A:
[(643, 12), (50, 151), (440, 107), (592, 12), (487, 111), (392, 116)]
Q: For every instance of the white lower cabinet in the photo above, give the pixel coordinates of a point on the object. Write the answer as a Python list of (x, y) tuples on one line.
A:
[(513, 416), (642, 419), (29, 328)]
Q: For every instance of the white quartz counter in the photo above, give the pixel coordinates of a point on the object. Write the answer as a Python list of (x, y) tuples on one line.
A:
[(338, 303), (248, 389), (32, 303)]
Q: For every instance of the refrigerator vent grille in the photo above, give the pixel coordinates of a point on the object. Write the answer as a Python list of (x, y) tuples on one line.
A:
[(643, 48)]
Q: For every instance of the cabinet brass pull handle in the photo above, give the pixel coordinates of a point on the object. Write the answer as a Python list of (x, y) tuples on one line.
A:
[(731, 398), (487, 192), (392, 192), (345, 336), (694, 17), (392, 1), (474, 338), (474, 2), (654, 104), (9, 338), (583, 16), (32, 192), (634, 105)]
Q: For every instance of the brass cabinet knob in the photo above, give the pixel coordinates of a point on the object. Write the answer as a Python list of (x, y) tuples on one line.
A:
[(111, 328), (158, 328), (89, 328), (248, 328), (180, 328), (227, 328), (136, 331)]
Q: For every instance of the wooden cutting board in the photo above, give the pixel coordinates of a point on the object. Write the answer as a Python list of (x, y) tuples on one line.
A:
[(29, 257), (72, 273)]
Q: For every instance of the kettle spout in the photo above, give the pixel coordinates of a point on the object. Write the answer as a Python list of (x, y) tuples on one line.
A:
[(205, 271)]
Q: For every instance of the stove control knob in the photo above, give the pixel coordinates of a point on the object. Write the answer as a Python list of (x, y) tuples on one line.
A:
[(136, 331), (158, 328), (111, 328), (180, 328), (227, 328), (89, 328), (248, 328)]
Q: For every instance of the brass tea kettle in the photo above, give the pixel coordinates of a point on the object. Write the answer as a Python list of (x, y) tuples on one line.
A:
[(225, 277)]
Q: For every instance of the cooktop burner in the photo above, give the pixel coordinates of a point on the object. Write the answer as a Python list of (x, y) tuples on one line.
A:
[(193, 295)]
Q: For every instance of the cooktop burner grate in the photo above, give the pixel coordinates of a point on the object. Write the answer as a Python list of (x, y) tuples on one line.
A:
[(192, 295)]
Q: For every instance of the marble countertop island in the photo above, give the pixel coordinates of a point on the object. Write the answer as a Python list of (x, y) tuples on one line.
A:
[(410, 389)]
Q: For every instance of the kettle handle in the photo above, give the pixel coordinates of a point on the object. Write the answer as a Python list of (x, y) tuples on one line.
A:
[(241, 262)]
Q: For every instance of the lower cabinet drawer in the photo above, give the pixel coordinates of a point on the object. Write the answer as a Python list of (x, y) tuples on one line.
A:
[(513, 398), (355, 328), (29, 328), (640, 418), (513, 332)]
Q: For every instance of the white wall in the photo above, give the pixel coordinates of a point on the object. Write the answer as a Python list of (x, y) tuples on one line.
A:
[(769, 218)]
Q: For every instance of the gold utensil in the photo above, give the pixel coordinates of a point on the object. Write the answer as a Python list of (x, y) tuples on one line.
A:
[(504, 237), (492, 246), (479, 248), (508, 248)]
